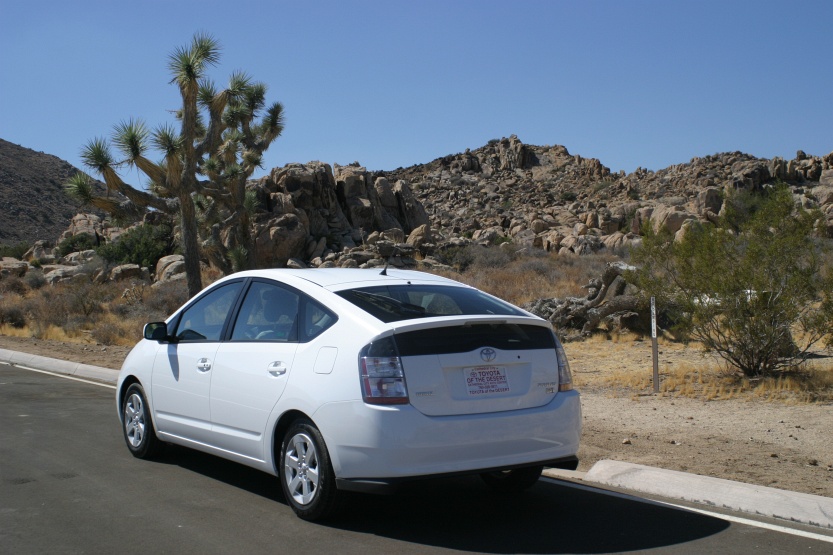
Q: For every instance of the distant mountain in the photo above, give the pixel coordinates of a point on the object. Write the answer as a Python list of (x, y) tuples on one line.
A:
[(536, 196), (33, 205)]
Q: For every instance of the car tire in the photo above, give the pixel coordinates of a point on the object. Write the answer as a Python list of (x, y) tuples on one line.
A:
[(137, 424), (306, 473), (517, 479)]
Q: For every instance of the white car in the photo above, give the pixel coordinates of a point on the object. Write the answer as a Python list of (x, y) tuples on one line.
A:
[(349, 379)]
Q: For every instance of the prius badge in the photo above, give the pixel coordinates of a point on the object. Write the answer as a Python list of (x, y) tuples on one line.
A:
[(488, 354)]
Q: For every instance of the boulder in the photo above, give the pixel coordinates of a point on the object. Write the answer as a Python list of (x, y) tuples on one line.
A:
[(709, 199), (41, 251), (128, 271), (13, 267), (420, 236), (81, 257), (54, 273), (279, 240), (669, 217), (168, 267), (411, 213)]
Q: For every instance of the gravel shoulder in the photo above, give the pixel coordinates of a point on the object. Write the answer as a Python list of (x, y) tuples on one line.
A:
[(787, 446)]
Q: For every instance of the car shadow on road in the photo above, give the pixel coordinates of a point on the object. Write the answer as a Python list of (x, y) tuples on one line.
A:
[(462, 513)]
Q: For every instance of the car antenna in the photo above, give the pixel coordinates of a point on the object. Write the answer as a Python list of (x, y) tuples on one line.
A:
[(393, 253)]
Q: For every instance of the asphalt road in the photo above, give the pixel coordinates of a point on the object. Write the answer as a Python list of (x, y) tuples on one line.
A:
[(69, 485)]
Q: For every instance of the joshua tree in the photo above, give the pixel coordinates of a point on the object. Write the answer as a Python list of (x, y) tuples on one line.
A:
[(211, 162)]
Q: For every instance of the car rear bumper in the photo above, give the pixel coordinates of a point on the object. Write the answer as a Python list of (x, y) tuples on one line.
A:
[(390, 485), (381, 445)]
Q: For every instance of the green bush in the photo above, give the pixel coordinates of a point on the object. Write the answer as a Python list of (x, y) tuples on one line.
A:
[(568, 196), (745, 287), (143, 245), (34, 279), (76, 243), (14, 251)]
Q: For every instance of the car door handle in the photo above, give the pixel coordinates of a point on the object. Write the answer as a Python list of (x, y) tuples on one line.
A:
[(276, 369), (203, 365)]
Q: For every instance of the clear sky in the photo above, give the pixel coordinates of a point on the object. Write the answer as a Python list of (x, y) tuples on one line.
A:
[(394, 83)]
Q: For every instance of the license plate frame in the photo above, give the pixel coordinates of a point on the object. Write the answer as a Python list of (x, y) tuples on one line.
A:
[(486, 380)]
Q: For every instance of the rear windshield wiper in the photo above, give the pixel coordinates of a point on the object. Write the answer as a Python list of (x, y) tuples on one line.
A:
[(391, 304)]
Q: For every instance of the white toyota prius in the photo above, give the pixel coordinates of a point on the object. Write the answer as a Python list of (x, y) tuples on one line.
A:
[(353, 380)]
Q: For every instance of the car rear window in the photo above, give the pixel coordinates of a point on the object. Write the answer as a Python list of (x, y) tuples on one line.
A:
[(391, 303), (464, 339)]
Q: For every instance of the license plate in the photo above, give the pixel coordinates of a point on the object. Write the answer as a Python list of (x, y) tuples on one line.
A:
[(486, 380)]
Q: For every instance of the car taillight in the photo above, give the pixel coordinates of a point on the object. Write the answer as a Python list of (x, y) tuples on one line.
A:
[(382, 377), (565, 377)]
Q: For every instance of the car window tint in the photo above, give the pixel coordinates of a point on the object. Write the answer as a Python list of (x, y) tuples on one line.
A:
[(316, 319), (203, 320), (268, 313), (392, 303)]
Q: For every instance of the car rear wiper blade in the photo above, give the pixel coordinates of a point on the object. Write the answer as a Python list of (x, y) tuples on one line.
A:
[(390, 303)]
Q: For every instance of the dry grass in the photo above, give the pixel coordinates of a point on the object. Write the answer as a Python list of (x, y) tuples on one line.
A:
[(85, 312), (523, 278), (711, 381)]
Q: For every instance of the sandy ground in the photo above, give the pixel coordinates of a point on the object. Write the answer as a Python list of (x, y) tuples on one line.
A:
[(776, 444)]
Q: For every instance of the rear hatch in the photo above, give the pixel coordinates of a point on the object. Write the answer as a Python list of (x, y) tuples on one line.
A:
[(478, 365)]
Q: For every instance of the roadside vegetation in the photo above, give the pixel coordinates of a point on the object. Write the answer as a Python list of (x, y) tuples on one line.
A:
[(756, 289), (110, 313)]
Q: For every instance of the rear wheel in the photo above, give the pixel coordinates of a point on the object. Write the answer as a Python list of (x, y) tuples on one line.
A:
[(306, 474), (138, 426), (517, 479)]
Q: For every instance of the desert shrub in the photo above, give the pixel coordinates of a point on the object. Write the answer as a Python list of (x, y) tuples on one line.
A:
[(86, 298), (14, 251), (576, 270), (568, 196), (106, 334), (745, 287), (165, 298), (601, 186), (477, 256), (12, 315), (143, 245), (13, 285), (76, 243), (545, 266), (34, 279), (47, 309)]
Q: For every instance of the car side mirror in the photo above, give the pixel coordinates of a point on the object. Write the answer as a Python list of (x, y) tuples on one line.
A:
[(157, 331)]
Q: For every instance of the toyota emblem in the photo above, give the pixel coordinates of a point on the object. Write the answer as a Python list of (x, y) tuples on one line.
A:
[(488, 354)]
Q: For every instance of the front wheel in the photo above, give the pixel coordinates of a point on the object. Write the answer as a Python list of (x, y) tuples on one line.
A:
[(138, 426), (517, 479), (306, 474)]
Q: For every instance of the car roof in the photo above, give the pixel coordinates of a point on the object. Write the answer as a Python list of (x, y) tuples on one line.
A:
[(341, 278)]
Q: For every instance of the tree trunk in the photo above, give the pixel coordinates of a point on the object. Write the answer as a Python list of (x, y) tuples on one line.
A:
[(190, 246)]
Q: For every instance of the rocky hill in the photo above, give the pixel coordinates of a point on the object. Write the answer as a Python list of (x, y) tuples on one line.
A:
[(544, 197), (504, 193), (32, 199)]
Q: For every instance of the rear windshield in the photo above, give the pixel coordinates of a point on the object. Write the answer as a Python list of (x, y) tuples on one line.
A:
[(464, 339), (391, 303)]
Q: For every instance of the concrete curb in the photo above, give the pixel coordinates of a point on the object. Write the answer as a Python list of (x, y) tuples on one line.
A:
[(814, 510), (58, 366)]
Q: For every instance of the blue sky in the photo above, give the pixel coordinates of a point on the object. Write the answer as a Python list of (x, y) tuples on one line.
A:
[(395, 83)]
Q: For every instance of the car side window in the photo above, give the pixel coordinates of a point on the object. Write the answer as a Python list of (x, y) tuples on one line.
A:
[(268, 313), (203, 320), (316, 319)]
